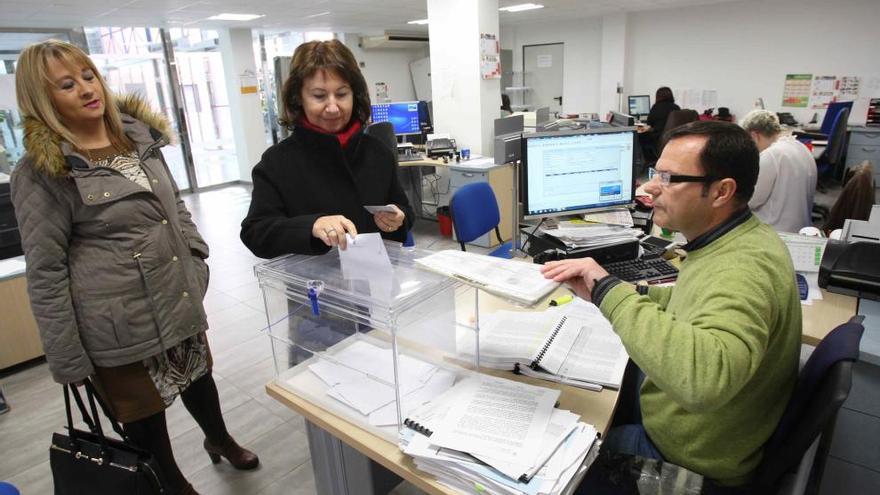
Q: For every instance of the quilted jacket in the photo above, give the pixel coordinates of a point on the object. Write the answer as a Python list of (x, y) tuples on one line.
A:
[(115, 273)]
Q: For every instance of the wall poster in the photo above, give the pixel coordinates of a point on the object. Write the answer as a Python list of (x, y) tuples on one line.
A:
[(796, 92), (490, 56)]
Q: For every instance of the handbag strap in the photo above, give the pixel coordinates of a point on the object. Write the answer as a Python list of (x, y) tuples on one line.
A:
[(93, 395)]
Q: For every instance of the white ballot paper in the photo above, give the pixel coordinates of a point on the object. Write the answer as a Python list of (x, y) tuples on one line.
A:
[(377, 208), (365, 258), (497, 418)]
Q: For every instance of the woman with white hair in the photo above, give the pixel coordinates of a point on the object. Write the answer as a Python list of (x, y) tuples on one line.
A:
[(783, 196)]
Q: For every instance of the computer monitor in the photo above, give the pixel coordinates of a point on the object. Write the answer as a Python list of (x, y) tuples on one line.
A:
[(403, 115), (622, 120), (568, 172), (639, 105), (832, 111)]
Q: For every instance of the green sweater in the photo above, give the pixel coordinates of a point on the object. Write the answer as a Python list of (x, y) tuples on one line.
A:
[(720, 351)]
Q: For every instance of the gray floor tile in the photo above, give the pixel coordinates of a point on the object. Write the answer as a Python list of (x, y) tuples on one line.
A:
[(300, 481)]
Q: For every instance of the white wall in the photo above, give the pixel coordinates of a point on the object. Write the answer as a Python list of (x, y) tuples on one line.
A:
[(582, 54), (388, 65), (745, 49)]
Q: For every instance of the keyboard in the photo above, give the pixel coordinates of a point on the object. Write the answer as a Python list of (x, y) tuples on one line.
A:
[(408, 158), (654, 269)]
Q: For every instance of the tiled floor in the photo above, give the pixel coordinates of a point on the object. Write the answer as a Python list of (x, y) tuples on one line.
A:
[(242, 366)]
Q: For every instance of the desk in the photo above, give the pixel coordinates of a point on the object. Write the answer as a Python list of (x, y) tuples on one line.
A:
[(347, 459), (499, 177), (822, 316), (19, 340)]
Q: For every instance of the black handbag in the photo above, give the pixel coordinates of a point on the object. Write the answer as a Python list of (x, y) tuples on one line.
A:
[(87, 462)]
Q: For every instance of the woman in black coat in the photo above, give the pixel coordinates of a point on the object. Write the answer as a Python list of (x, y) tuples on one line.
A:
[(311, 189)]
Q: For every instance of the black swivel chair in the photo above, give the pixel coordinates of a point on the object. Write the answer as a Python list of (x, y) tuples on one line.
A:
[(384, 131), (822, 387)]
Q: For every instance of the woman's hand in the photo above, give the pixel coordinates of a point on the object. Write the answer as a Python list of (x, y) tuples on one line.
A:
[(332, 229), (388, 221)]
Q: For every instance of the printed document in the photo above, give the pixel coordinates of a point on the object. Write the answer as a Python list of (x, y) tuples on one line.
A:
[(498, 418)]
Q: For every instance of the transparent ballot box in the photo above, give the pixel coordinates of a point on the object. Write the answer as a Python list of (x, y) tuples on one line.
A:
[(371, 341)]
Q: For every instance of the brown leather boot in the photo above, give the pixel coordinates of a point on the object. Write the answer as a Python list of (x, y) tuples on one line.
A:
[(238, 456)]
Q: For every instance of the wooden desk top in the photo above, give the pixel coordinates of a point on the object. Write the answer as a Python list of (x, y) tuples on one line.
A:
[(822, 316), (596, 408)]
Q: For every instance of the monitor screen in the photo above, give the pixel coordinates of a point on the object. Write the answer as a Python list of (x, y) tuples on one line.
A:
[(403, 115), (571, 172), (640, 105)]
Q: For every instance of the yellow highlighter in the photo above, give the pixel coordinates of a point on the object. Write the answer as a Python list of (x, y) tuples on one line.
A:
[(559, 301)]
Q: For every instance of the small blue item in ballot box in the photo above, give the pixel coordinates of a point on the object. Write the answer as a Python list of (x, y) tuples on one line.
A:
[(315, 287)]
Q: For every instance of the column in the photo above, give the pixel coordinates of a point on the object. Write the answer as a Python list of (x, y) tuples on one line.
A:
[(465, 105), (240, 71), (613, 65)]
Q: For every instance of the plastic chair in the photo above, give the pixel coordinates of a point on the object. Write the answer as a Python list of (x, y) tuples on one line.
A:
[(794, 457), (7, 488), (474, 212)]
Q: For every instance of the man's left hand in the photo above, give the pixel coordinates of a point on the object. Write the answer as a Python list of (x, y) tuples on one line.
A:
[(388, 221), (580, 274)]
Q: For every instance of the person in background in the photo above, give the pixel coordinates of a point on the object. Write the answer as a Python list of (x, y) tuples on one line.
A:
[(787, 178), (650, 134), (311, 189), (505, 105), (719, 350), (116, 268)]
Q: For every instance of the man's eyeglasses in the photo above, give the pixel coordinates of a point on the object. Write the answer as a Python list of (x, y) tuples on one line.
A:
[(666, 178)]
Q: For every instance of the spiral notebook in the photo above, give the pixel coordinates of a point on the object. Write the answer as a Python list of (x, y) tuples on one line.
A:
[(576, 343)]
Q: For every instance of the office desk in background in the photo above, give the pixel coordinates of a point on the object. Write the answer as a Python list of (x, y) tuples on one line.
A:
[(499, 177), (19, 339)]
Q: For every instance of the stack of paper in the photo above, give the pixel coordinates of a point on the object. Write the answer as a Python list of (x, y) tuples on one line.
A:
[(361, 376), (492, 435), (515, 280), (591, 235)]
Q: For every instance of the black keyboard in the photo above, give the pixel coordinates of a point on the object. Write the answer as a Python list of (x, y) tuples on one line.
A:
[(653, 269)]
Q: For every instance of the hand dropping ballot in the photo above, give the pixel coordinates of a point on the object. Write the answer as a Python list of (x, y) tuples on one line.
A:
[(365, 258)]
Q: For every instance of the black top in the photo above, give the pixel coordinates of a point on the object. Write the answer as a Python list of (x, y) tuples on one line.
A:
[(657, 118), (309, 175)]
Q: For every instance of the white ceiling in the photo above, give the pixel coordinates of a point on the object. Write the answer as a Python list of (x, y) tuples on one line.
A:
[(351, 16)]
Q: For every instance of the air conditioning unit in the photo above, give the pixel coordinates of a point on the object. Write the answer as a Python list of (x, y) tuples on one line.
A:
[(394, 40)]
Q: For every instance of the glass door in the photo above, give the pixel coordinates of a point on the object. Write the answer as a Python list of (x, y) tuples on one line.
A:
[(132, 61)]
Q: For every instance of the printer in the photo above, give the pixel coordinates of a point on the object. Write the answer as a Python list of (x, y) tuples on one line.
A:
[(851, 265)]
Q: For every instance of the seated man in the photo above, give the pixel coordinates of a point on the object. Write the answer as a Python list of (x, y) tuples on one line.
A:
[(787, 178), (720, 348)]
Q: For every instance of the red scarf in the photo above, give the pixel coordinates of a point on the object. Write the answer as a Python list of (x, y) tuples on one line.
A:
[(343, 136)]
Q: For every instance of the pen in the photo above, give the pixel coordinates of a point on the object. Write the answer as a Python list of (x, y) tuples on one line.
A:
[(559, 301)]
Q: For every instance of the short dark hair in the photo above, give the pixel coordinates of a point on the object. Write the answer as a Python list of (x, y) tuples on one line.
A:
[(308, 59), (664, 94), (729, 152)]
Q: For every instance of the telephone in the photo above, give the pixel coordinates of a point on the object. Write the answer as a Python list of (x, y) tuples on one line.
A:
[(440, 147), (786, 118)]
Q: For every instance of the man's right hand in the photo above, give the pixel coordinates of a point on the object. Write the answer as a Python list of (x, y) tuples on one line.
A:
[(580, 274)]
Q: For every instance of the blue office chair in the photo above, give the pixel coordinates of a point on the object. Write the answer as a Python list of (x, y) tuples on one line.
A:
[(474, 212), (830, 162), (794, 457)]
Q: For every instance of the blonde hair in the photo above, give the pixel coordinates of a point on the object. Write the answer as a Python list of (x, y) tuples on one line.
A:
[(32, 85), (764, 122)]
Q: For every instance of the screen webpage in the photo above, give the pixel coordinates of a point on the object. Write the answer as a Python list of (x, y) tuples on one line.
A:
[(404, 116), (578, 172), (639, 105)]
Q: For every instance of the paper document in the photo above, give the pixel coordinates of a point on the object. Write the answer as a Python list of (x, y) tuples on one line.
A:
[(619, 216), (515, 280), (498, 418), (377, 208)]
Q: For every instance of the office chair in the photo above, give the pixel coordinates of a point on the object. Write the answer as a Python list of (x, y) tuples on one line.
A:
[(474, 212), (830, 162), (384, 131), (856, 199), (676, 118), (794, 457)]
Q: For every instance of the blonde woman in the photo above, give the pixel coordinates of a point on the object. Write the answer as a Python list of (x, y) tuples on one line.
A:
[(115, 265)]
